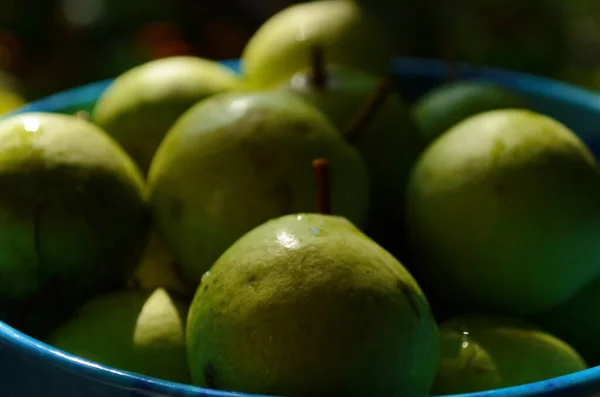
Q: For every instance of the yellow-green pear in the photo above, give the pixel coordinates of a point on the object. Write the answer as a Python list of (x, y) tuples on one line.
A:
[(141, 332), (500, 213), (348, 35), (483, 353), (72, 217), (142, 104), (308, 305), (236, 160)]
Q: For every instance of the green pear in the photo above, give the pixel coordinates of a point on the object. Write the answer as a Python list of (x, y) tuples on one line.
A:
[(235, 161), (390, 142), (499, 214), (140, 106), (349, 37), (73, 218), (157, 268), (576, 321), (141, 332), (465, 366), (447, 105), (307, 305), (484, 353)]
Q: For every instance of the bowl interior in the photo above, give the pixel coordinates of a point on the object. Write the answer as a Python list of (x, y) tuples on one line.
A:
[(37, 369)]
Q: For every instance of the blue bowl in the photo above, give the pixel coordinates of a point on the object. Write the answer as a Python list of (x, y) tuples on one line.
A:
[(29, 368)]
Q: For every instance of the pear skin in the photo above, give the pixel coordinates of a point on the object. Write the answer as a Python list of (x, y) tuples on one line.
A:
[(307, 304), (237, 160), (141, 332), (499, 214), (73, 217), (347, 34), (576, 321), (449, 104), (483, 353), (158, 268), (140, 106)]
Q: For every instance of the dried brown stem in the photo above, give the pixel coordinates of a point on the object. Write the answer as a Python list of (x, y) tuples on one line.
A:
[(323, 180), (372, 105)]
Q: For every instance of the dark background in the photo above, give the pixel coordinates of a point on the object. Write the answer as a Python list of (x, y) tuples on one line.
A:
[(52, 45)]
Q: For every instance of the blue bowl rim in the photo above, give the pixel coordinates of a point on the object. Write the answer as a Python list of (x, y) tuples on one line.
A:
[(546, 87), (540, 86)]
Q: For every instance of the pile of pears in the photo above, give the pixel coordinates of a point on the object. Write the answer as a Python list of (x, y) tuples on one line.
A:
[(299, 229)]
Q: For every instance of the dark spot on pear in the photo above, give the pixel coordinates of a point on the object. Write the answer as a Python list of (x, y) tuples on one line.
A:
[(410, 297), (252, 279), (211, 377)]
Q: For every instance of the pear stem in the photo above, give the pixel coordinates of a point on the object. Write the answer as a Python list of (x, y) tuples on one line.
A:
[(372, 105), (318, 72), (323, 179)]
